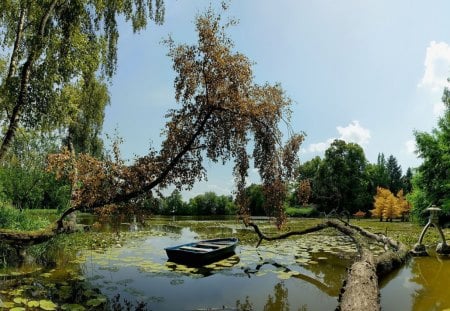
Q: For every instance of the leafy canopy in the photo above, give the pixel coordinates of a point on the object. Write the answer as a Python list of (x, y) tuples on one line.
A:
[(221, 108), (50, 45)]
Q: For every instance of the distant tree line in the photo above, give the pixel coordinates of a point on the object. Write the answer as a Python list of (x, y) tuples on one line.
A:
[(345, 182), (208, 203)]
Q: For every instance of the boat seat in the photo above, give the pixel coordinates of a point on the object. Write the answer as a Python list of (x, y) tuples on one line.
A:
[(210, 245), (198, 249)]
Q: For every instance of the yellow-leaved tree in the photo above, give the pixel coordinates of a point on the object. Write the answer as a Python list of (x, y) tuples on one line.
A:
[(385, 205), (380, 202), (388, 206), (403, 205)]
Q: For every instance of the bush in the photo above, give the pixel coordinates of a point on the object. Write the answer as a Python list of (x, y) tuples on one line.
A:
[(308, 211), (12, 218)]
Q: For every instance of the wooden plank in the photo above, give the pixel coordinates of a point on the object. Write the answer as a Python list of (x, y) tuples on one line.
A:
[(210, 245), (198, 249)]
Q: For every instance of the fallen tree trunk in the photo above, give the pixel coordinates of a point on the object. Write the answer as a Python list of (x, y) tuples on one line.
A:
[(360, 290)]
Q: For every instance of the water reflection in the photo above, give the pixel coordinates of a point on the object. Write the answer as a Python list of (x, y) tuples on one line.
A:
[(295, 274), (420, 285)]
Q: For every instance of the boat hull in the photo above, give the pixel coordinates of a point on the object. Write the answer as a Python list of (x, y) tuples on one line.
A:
[(202, 252)]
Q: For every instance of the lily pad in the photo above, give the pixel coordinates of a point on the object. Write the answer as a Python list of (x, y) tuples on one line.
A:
[(33, 304), (47, 305), (72, 307), (20, 300), (17, 309), (7, 304), (96, 301)]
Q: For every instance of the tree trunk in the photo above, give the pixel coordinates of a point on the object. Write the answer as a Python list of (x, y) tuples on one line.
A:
[(360, 290), (34, 53)]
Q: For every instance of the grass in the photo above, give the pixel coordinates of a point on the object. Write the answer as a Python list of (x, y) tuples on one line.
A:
[(25, 220)]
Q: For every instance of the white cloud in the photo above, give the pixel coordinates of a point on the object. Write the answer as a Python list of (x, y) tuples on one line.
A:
[(410, 146), (437, 66), (320, 147), (354, 133)]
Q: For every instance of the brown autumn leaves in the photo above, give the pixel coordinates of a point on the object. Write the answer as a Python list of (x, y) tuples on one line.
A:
[(223, 116)]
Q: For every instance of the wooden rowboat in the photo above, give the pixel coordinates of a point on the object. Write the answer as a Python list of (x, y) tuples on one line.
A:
[(202, 252)]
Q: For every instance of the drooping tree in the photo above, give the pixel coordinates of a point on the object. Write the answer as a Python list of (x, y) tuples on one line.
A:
[(86, 101), (50, 44), (220, 108)]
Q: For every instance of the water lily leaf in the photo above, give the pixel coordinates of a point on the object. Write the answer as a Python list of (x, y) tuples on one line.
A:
[(33, 304), (47, 305), (72, 307), (7, 304), (20, 300), (17, 309), (96, 301)]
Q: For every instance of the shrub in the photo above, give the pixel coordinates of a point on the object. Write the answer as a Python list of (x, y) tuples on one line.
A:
[(12, 218)]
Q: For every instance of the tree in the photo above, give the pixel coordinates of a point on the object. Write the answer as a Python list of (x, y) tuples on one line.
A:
[(255, 199), (221, 107), (173, 204), (210, 203), (23, 180), (304, 191), (50, 44), (403, 205), (381, 202), (307, 173), (431, 183), (87, 101), (407, 181), (377, 174), (394, 172), (341, 180)]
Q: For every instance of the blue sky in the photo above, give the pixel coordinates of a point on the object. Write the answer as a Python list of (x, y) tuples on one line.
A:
[(370, 72)]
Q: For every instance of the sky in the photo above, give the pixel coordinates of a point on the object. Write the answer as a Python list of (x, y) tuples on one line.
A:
[(370, 72)]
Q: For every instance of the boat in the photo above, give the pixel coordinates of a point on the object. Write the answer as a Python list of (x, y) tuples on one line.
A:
[(202, 252)]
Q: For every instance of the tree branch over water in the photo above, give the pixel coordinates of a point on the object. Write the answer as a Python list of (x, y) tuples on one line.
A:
[(360, 290)]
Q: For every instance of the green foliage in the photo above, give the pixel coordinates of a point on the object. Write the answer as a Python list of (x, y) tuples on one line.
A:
[(12, 218), (341, 179), (208, 203), (308, 211), (52, 44), (87, 102), (211, 204), (394, 174), (431, 184), (24, 182), (256, 199)]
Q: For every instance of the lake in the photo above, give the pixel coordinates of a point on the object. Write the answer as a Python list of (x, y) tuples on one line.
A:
[(300, 273)]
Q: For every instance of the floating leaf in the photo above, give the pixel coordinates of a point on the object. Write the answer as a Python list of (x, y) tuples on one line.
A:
[(17, 309), (96, 301), (47, 305), (20, 300), (33, 304), (72, 307), (7, 304)]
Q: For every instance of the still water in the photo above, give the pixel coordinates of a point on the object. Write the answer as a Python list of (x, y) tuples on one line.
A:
[(301, 273)]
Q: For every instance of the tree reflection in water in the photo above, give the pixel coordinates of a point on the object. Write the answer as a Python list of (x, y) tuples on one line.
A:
[(278, 302), (433, 276)]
